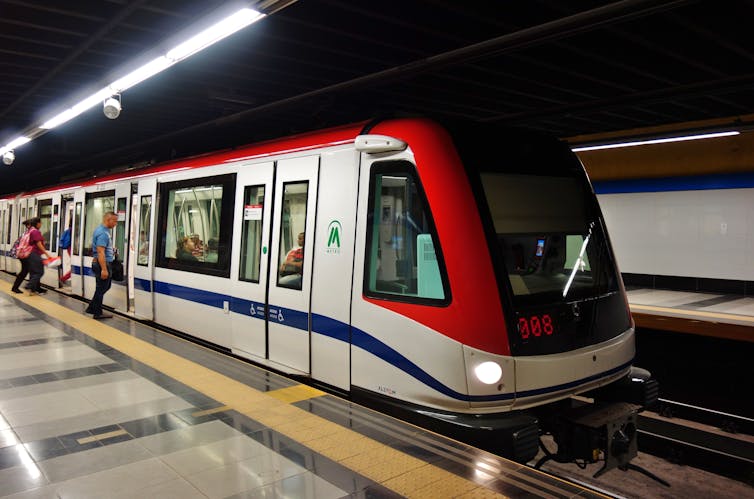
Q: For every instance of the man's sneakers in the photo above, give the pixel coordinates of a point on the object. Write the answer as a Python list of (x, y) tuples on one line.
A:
[(103, 315)]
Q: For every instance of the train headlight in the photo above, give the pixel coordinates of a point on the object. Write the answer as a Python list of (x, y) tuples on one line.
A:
[(489, 373)]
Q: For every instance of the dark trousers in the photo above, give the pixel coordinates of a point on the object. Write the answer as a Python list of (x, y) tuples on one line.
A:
[(22, 274), (95, 307), (36, 271)]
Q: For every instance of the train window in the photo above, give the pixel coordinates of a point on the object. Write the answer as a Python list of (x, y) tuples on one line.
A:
[(145, 229), (402, 260), (251, 235), (97, 204), (77, 232), (45, 216), (10, 221), (120, 228), (196, 225), (292, 232), (55, 224), (553, 247)]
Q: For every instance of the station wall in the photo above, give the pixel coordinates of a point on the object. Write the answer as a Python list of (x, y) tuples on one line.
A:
[(694, 233), (680, 215)]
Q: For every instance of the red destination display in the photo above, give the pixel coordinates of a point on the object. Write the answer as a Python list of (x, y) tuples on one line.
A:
[(535, 325)]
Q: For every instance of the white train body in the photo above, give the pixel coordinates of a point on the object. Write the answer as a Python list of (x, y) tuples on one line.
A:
[(392, 301)]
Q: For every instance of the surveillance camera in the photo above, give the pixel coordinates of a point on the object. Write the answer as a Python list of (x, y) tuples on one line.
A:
[(112, 108), (9, 157)]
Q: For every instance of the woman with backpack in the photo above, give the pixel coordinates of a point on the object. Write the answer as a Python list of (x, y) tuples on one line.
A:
[(24, 263), (36, 267)]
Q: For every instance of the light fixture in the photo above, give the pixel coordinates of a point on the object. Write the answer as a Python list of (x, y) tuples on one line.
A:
[(488, 372), (9, 157), (664, 140), (226, 27), (112, 107)]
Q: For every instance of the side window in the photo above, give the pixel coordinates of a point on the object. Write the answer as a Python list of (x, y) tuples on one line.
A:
[(292, 234), (120, 228), (251, 235), (55, 224), (10, 219), (77, 231), (96, 206), (402, 260), (145, 229), (196, 220), (45, 215)]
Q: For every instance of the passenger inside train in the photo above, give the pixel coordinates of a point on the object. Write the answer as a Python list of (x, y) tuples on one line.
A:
[(185, 251), (292, 267)]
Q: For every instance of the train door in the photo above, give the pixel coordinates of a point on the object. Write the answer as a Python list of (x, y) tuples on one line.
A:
[(77, 247), (291, 262), (66, 222), (46, 211), (143, 222), (249, 272), (11, 209), (4, 248), (117, 296)]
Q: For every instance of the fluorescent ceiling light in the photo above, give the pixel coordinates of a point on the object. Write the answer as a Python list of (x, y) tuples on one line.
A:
[(78, 108), (215, 33), (18, 141), (655, 141), (93, 100), (146, 71), (58, 120)]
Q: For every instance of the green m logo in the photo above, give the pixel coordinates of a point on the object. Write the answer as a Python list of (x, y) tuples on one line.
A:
[(333, 239)]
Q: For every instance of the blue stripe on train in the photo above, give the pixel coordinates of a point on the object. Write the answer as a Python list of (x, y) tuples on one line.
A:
[(341, 331)]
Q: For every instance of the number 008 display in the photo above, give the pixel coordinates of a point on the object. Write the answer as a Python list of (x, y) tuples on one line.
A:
[(535, 325)]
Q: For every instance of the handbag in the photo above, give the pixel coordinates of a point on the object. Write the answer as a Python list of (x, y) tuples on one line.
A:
[(117, 270)]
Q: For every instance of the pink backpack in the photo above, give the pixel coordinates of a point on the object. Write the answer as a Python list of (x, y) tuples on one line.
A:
[(24, 246)]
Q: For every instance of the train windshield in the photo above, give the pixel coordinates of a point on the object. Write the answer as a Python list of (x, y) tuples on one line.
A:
[(550, 238)]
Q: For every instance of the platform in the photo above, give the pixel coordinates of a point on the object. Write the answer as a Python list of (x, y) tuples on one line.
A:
[(117, 409), (707, 314)]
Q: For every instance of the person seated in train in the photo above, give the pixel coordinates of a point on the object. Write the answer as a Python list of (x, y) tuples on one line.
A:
[(292, 267), (185, 251), (143, 248), (198, 250)]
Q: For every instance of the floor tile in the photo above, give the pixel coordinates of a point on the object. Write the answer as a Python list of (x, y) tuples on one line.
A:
[(192, 436), (214, 455), (135, 476), (303, 486), (26, 476), (173, 489), (10, 457), (243, 476), (7, 438), (90, 461)]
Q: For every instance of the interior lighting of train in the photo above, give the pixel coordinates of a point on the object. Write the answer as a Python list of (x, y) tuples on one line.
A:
[(218, 31), (664, 140)]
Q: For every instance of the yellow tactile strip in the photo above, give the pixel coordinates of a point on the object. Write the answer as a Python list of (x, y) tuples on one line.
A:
[(395, 470), (101, 436)]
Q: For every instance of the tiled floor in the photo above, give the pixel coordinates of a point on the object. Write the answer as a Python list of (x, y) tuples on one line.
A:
[(117, 409), (76, 423)]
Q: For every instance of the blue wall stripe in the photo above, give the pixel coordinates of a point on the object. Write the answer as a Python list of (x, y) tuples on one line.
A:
[(694, 183)]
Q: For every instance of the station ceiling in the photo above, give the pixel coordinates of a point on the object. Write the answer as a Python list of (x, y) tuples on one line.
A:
[(566, 68)]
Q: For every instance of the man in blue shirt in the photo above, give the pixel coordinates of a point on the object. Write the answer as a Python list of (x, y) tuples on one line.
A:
[(102, 257)]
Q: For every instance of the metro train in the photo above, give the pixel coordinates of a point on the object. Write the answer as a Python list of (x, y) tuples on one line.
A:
[(457, 275)]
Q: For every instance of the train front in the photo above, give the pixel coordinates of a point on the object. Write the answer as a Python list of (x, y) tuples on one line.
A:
[(569, 328)]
